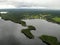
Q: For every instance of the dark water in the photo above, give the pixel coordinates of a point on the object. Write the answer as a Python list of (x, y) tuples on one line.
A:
[(10, 32)]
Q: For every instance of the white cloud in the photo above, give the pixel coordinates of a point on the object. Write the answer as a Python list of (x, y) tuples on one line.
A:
[(50, 4), (6, 6)]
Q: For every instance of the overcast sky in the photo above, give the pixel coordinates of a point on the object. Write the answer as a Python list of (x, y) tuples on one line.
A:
[(43, 4)]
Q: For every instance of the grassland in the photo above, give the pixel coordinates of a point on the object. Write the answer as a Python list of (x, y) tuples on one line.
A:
[(57, 19)]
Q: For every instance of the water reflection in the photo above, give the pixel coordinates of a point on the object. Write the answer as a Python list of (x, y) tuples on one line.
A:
[(10, 40), (3, 12)]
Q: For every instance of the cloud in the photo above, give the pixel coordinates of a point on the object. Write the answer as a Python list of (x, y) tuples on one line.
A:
[(6, 6), (49, 4)]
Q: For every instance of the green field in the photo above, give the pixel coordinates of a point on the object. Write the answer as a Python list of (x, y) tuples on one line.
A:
[(57, 19)]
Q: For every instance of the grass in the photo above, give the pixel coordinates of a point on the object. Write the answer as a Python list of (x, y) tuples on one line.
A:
[(49, 40), (57, 19)]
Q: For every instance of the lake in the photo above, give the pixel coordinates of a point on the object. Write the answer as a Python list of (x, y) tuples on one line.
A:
[(43, 27)]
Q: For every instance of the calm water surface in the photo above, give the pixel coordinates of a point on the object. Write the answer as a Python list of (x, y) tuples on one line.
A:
[(43, 27)]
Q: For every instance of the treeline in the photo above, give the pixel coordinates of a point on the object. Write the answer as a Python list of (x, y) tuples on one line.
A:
[(16, 15)]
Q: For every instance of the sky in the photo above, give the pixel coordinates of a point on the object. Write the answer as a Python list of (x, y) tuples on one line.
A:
[(43, 4)]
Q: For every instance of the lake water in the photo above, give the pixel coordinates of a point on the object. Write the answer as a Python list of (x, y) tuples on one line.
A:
[(43, 27)]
